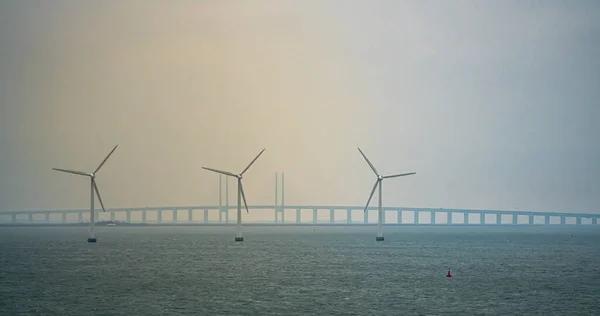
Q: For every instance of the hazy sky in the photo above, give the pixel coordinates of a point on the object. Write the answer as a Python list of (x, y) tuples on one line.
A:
[(492, 103)]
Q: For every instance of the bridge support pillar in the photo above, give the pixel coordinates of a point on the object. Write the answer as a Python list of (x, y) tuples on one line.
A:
[(128, 214), (498, 219), (547, 219), (112, 216), (30, 218), (190, 215), (481, 218), (349, 216), (47, 217), (331, 216), (80, 217), (14, 218), (399, 214), (466, 217), (530, 219), (205, 216), (298, 216), (366, 216), (64, 217), (563, 220), (594, 220), (432, 217), (578, 220), (416, 215), (175, 215), (143, 216), (314, 216), (449, 219), (159, 216), (515, 219)]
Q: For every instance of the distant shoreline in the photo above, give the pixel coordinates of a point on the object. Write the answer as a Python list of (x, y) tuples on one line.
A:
[(124, 224)]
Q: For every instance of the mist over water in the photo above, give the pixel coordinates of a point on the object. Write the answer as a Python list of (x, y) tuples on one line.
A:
[(298, 271)]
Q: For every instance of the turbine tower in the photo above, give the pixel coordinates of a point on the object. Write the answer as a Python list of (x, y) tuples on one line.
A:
[(93, 188), (379, 183), (241, 195)]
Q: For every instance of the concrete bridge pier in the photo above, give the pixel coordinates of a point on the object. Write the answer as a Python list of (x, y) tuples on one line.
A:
[(80, 217), (64, 217), (159, 215), (563, 220), (432, 217), (128, 214), (112, 216), (47, 217), (366, 216), (314, 216), (190, 215), (498, 219), (144, 216), (515, 219), (399, 214), (547, 219), (416, 215), (298, 218), (332, 216), (205, 216), (595, 220), (30, 218), (466, 217), (530, 219), (482, 218), (578, 220), (449, 220), (348, 216), (175, 215), (14, 218)]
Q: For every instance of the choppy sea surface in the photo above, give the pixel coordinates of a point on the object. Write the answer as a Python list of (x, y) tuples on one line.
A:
[(541, 270)]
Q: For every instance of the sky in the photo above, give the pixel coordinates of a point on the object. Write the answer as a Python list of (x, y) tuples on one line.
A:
[(492, 103)]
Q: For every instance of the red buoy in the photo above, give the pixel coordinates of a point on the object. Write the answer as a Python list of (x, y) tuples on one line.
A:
[(448, 275)]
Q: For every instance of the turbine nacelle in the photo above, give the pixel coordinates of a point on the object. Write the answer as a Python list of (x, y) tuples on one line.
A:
[(92, 176), (239, 176), (379, 178)]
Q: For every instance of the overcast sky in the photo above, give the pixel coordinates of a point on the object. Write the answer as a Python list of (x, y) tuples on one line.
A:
[(493, 103)]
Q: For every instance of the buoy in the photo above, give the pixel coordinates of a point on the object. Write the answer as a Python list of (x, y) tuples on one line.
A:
[(448, 275)]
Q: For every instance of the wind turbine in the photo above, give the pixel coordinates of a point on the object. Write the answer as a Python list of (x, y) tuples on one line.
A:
[(238, 226), (379, 182), (94, 187)]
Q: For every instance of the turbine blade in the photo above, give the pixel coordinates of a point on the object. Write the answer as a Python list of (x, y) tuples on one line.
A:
[(367, 159), (260, 153), (73, 172), (371, 196), (243, 195), (399, 175), (98, 195), (105, 159), (227, 173)]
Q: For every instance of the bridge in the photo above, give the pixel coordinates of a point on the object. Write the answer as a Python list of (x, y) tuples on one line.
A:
[(301, 215)]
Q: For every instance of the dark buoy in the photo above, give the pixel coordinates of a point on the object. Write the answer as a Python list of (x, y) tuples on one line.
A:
[(448, 275)]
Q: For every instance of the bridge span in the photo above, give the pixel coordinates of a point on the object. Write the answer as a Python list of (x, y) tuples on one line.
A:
[(302, 215)]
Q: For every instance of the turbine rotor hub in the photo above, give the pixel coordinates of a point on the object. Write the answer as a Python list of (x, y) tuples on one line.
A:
[(380, 177), (239, 176)]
